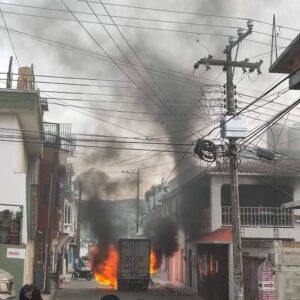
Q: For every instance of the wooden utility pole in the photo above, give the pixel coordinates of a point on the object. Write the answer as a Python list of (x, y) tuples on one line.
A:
[(137, 174), (228, 66)]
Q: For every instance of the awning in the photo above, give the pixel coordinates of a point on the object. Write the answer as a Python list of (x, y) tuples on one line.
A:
[(64, 238), (219, 236), (292, 204)]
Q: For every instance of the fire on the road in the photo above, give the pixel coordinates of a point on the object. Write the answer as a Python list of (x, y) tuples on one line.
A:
[(153, 263), (106, 272)]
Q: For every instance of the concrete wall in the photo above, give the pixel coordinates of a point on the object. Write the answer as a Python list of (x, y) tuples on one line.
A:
[(13, 162), (13, 155), (215, 201), (28, 263), (15, 266), (285, 256), (173, 268)]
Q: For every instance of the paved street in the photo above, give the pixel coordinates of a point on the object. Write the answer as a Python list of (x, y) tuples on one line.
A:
[(82, 290)]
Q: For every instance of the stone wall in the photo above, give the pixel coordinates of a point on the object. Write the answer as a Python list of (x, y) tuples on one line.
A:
[(288, 269)]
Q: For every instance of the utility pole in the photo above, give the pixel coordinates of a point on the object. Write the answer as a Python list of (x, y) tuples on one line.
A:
[(78, 222), (231, 133), (137, 174), (9, 74)]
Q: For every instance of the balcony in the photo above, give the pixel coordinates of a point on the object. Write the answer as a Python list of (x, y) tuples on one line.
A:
[(59, 135), (262, 217)]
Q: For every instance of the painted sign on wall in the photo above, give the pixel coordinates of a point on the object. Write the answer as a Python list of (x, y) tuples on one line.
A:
[(15, 253)]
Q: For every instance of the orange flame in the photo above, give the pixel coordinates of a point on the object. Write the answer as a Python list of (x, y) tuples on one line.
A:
[(106, 272), (153, 263)]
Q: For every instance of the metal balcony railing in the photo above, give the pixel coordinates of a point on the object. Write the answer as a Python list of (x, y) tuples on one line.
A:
[(59, 135), (260, 216)]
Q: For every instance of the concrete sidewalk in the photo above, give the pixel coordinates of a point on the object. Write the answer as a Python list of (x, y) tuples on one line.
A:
[(51, 296), (176, 288)]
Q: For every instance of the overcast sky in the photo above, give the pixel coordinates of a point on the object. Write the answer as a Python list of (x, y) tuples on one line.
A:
[(150, 69)]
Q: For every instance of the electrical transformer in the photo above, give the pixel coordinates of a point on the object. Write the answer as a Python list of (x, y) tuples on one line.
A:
[(233, 127)]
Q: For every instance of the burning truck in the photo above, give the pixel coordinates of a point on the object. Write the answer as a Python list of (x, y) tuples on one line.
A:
[(128, 267)]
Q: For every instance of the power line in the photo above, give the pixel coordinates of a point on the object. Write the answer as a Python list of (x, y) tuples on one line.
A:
[(105, 121), (256, 100), (90, 53), (93, 54), (124, 54), (130, 18), (94, 140), (136, 55), (115, 63), (132, 112), (195, 83), (121, 117), (11, 42), (262, 129), (99, 147), (188, 13)]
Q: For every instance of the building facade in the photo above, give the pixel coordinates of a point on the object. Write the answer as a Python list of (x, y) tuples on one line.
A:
[(20, 156), (269, 231)]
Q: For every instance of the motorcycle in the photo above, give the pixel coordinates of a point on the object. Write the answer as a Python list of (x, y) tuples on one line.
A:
[(82, 273)]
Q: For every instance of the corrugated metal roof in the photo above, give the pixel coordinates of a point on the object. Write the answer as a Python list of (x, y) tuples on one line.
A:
[(283, 62), (288, 167)]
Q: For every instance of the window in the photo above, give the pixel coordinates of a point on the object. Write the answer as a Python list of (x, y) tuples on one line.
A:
[(67, 214), (10, 224)]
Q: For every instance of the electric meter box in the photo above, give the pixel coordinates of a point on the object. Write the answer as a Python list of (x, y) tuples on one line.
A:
[(233, 127)]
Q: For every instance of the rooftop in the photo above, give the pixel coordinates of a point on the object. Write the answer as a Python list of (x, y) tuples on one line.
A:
[(283, 63), (286, 167)]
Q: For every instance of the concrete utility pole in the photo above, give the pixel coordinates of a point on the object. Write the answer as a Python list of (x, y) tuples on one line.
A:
[(9, 74), (78, 222), (137, 174), (228, 66)]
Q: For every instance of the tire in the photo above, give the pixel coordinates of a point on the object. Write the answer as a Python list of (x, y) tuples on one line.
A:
[(75, 276), (89, 276)]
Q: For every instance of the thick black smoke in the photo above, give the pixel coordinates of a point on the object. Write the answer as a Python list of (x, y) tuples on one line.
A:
[(163, 233), (99, 185), (100, 219), (101, 214)]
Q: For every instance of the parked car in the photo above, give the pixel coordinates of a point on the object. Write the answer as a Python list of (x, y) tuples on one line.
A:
[(6, 285)]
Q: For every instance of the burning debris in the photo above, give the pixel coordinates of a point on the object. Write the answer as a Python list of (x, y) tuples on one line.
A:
[(163, 233)]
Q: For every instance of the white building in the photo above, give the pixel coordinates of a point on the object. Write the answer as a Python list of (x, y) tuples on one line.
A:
[(20, 154)]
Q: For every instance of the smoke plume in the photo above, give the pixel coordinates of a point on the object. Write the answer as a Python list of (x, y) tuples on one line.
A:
[(100, 220), (99, 185), (101, 214), (163, 233)]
